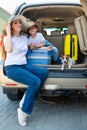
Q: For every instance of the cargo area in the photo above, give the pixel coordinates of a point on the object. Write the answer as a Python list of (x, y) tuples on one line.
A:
[(65, 26)]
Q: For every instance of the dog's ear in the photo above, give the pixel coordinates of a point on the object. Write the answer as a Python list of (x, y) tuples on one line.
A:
[(62, 56), (67, 55)]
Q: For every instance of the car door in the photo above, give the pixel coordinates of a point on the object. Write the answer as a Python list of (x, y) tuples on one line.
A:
[(84, 4), (16, 11), (81, 27)]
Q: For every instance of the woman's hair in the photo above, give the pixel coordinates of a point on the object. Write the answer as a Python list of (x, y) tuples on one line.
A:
[(2, 48)]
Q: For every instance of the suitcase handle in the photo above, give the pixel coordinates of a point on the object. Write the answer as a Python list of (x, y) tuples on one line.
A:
[(73, 46)]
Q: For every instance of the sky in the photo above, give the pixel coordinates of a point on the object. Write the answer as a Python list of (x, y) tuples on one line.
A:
[(10, 5)]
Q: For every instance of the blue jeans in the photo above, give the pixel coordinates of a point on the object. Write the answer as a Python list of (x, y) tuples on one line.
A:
[(31, 75), (54, 50)]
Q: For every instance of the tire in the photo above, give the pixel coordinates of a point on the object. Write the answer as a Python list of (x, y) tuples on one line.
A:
[(15, 97), (12, 97)]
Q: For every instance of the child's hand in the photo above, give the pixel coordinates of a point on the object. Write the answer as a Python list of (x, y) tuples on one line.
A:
[(49, 48), (32, 46)]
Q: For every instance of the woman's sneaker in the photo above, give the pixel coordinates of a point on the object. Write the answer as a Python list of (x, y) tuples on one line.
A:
[(22, 117)]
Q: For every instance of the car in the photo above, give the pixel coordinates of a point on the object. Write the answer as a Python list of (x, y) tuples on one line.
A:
[(64, 24)]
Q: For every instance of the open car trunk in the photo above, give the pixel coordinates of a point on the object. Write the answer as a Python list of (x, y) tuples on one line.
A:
[(57, 16)]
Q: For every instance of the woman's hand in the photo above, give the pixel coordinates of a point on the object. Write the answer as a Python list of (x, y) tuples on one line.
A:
[(8, 41), (8, 29)]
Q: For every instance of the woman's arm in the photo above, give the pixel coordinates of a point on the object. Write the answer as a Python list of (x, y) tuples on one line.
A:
[(7, 40)]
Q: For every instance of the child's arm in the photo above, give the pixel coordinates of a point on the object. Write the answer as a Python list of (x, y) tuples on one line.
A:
[(42, 44), (36, 46)]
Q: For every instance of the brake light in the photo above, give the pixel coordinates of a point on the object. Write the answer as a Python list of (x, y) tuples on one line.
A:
[(86, 86), (11, 84)]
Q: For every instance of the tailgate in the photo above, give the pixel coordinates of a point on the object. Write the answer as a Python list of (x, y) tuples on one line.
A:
[(75, 79), (73, 73)]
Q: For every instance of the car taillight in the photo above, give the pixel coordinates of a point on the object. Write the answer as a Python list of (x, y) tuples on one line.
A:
[(86, 86), (11, 84)]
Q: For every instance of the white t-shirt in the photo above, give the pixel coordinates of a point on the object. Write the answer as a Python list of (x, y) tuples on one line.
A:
[(36, 40), (18, 54)]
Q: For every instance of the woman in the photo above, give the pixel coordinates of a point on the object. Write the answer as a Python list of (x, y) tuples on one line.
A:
[(17, 69)]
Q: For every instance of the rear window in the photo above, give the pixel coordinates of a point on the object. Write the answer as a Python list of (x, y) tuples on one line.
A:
[(50, 29)]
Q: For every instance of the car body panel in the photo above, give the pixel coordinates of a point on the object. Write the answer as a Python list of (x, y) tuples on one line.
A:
[(84, 4)]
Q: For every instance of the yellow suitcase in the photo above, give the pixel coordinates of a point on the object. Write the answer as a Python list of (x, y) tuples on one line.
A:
[(71, 46)]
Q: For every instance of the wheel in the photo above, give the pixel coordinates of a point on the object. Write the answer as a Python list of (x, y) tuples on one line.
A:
[(12, 97), (17, 96)]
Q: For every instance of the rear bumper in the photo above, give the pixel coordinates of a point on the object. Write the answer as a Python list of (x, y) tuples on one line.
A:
[(65, 84)]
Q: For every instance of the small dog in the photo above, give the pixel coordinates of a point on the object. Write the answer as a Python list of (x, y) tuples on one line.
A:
[(66, 60)]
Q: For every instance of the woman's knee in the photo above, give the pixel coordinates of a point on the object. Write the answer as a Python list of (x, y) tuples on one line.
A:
[(37, 83)]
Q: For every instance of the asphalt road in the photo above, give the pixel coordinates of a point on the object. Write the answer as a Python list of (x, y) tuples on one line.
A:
[(68, 115)]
